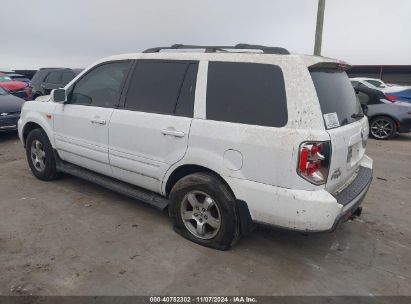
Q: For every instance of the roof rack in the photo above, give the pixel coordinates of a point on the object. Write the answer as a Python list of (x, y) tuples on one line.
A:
[(215, 48)]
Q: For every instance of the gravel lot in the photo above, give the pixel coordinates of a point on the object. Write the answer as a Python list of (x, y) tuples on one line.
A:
[(70, 237)]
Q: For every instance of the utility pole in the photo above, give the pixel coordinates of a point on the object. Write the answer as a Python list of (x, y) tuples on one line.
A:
[(319, 28)]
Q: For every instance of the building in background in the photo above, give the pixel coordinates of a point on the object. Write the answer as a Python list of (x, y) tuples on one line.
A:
[(397, 74)]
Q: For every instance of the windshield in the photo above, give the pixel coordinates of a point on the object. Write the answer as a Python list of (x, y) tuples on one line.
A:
[(3, 91), (338, 101), (5, 78)]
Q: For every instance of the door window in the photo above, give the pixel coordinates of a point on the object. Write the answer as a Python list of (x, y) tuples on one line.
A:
[(101, 87), (67, 77), (246, 93), (163, 87), (54, 77)]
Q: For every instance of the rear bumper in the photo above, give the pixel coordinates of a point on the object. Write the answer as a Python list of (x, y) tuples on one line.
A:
[(308, 211), (357, 194)]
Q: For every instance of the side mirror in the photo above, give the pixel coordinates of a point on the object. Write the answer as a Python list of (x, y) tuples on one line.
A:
[(59, 95)]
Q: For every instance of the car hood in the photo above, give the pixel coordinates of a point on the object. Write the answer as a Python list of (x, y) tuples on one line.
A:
[(13, 85), (10, 103)]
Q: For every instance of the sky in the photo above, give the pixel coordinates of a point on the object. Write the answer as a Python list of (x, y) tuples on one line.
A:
[(76, 33)]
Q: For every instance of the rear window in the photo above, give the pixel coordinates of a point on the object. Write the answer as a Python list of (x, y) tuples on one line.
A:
[(376, 83), (246, 93), (38, 77), (54, 77), (339, 104)]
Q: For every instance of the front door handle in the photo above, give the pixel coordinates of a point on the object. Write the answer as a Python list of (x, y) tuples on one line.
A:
[(98, 121), (173, 132)]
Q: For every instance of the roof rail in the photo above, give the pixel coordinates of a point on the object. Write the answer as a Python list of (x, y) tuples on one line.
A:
[(221, 48)]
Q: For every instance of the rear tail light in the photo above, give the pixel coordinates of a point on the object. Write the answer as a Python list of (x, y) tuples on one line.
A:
[(314, 161), (391, 98)]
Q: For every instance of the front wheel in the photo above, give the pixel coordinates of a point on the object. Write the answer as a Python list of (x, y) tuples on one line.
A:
[(382, 127), (203, 211), (40, 155)]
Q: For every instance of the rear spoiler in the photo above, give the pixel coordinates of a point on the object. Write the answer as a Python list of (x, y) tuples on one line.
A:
[(341, 66)]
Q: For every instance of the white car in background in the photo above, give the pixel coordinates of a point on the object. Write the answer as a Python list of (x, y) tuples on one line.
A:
[(376, 84)]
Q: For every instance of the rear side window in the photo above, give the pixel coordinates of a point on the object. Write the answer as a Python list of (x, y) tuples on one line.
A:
[(246, 93), (338, 101), (163, 87), (54, 77), (39, 76)]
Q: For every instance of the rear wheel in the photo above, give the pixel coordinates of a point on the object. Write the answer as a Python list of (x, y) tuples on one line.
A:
[(382, 127), (203, 211), (40, 155)]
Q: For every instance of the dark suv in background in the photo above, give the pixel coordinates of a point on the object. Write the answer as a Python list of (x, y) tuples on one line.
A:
[(47, 79)]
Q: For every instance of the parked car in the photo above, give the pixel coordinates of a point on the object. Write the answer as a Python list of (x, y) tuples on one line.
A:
[(376, 84), (16, 88), (222, 140), (386, 118), (47, 79), (18, 77), (400, 96), (10, 108)]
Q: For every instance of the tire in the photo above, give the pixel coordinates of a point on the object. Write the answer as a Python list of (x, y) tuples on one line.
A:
[(40, 156), (382, 127), (203, 210)]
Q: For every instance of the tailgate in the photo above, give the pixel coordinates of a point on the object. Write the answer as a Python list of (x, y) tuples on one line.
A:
[(344, 122), (348, 148)]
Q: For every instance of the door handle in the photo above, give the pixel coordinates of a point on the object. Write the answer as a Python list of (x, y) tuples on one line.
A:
[(98, 121), (173, 132)]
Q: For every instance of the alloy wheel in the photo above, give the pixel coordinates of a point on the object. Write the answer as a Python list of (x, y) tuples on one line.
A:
[(382, 128), (200, 215), (38, 155)]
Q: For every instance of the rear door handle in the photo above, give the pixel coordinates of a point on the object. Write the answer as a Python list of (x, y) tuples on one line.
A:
[(173, 132), (98, 121)]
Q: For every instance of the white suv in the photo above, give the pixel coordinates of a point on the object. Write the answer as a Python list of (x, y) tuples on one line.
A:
[(223, 139)]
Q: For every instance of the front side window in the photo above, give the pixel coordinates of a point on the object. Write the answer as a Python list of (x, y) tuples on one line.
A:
[(246, 93), (101, 87), (163, 87)]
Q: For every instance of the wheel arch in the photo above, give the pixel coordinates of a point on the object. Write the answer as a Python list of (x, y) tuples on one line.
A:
[(36, 124), (396, 121), (246, 224), (187, 169)]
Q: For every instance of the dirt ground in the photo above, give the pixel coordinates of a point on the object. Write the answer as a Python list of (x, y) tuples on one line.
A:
[(70, 237)]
